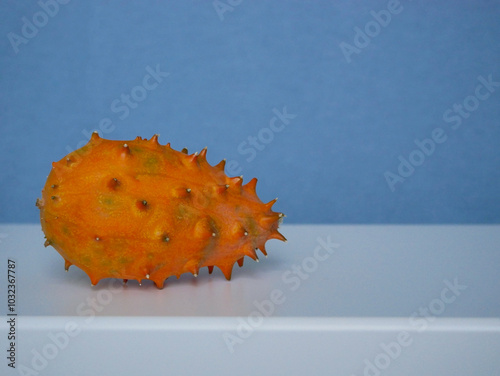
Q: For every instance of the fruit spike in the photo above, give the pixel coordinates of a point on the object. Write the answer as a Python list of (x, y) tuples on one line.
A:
[(139, 210)]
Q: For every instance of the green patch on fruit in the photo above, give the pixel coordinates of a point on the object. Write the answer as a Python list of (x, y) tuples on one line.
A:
[(136, 149), (184, 212), (108, 201), (82, 151), (115, 273), (251, 225), (151, 163), (106, 262), (124, 260)]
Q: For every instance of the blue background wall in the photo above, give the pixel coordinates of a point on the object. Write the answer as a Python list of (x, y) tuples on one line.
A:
[(359, 101)]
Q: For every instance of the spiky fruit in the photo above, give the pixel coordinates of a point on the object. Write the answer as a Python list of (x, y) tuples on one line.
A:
[(140, 210)]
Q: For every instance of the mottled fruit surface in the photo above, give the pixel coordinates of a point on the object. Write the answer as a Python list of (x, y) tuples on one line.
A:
[(140, 210)]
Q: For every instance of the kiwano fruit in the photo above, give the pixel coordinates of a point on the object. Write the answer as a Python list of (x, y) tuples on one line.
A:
[(140, 210)]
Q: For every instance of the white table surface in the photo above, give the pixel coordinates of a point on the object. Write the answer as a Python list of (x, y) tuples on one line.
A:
[(336, 310)]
